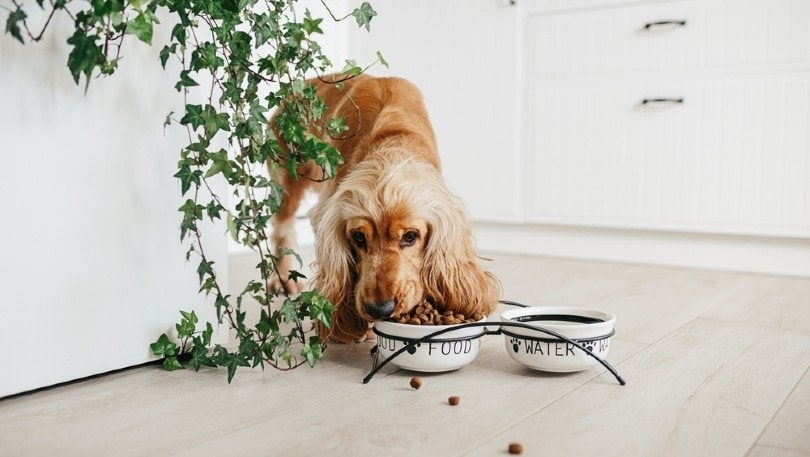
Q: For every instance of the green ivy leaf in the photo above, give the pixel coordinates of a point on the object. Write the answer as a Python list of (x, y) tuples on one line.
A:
[(185, 81), (199, 357), (163, 347), (192, 212), (363, 15), (220, 303), (205, 268), (286, 355), (206, 56), (171, 364), (312, 351), (219, 163), (220, 356), (240, 46), (193, 116), (141, 26), (213, 210), (179, 34), (84, 56), (214, 121), (382, 59), (207, 333), (187, 177), (317, 107), (288, 311), (296, 275), (233, 228), (190, 316), (320, 308), (12, 24), (263, 326), (312, 25), (185, 328), (165, 53), (232, 363), (336, 126), (328, 158), (351, 68)]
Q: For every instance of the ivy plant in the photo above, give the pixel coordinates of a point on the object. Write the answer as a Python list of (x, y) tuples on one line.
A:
[(238, 61)]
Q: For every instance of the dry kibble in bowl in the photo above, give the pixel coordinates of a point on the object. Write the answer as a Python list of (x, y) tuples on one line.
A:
[(426, 314)]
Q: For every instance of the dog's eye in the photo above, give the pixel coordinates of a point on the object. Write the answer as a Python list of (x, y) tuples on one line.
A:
[(359, 239), (408, 239)]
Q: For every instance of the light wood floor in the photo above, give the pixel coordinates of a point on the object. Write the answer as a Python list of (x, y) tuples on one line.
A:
[(716, 364)]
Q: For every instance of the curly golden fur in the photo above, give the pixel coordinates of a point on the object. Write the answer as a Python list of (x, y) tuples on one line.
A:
[(388, 232)]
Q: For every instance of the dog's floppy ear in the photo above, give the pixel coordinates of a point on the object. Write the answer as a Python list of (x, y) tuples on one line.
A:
[(451, 275), (335, 275)]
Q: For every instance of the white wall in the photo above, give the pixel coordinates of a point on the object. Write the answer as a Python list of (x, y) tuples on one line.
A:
[(91, 266)]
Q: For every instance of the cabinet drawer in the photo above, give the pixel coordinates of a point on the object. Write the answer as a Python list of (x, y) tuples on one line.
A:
[(734, 157), (675, 35)]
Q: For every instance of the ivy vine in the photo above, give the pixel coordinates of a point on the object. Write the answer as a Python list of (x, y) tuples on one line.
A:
[(243, 59)]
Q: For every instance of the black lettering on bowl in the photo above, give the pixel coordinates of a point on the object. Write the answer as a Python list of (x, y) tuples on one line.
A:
[(455, 347), (556, 348)]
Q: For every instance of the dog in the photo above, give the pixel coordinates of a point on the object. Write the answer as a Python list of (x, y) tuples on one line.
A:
[(389, 234)]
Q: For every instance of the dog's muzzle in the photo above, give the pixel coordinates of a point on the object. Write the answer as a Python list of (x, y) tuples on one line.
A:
[(380, 310)]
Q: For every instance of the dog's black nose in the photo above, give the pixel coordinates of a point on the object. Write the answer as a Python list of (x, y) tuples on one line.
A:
[(380, 310)]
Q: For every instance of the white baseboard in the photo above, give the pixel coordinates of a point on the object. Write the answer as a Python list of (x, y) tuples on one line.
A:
[(751, 254), (780, 256)]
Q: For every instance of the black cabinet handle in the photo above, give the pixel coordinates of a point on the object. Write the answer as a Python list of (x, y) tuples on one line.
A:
[(679, 23), (677, 101)]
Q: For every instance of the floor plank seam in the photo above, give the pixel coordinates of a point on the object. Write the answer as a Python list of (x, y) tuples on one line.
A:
[(775, 414)]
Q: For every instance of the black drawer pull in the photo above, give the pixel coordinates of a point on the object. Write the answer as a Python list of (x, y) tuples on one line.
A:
[(679, 23), (647, 101)]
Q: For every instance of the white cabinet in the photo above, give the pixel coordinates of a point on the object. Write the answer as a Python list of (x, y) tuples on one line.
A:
[(678, 116)]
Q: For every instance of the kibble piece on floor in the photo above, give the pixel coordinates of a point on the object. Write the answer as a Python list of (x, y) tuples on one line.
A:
[(515, 448), (454, 400), (416, 382)]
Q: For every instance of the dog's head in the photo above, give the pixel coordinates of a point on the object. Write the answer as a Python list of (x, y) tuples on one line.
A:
[(391, 236), (387, 257)]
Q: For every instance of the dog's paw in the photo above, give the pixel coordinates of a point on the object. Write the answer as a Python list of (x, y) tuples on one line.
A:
[(288, 286), (368, 336), (283, 280)]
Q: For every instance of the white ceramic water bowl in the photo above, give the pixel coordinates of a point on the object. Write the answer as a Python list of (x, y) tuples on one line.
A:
[(446, 352), (589, 327)]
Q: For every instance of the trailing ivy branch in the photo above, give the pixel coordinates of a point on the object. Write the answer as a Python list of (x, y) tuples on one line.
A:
[(238, 60)]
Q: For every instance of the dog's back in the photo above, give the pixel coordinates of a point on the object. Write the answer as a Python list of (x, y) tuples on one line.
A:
[(377, 110)]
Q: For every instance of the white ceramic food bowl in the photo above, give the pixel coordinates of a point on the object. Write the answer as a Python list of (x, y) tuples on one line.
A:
[(446, 352), (589, 327)]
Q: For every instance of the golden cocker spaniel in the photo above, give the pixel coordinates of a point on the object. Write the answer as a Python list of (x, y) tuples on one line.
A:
[(388, 232)]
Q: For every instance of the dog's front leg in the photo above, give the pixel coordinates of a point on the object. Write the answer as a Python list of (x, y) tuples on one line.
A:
[(283, 236)]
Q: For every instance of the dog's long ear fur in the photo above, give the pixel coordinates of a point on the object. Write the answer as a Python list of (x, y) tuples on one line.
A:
[(335, 274), (451, 275)]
